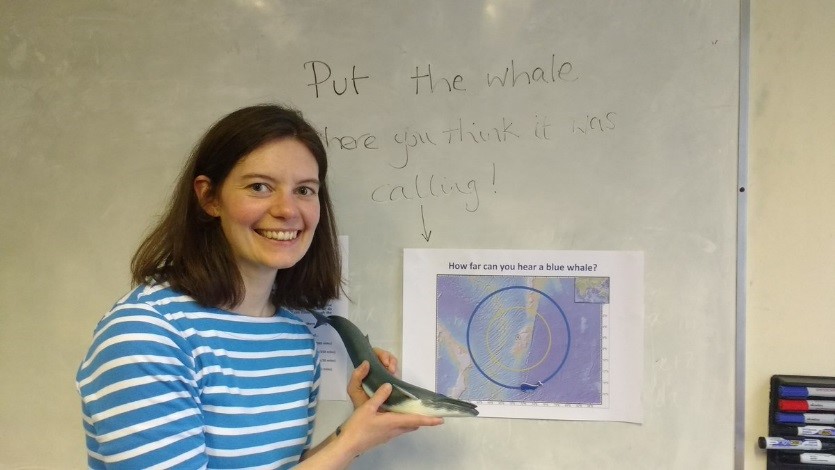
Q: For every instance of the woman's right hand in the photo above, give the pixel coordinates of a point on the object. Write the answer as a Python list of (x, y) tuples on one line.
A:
[(370, 426)]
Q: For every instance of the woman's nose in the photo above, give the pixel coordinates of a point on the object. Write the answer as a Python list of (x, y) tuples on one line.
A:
[(283, 205)]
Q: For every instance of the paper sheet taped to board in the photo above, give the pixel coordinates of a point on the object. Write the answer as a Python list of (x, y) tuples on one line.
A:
[(525, 333)]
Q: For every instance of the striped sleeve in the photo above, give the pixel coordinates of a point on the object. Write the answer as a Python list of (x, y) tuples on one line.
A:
[(139, 396)]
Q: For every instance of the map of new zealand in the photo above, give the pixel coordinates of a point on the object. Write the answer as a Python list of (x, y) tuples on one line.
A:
[(523, 340)]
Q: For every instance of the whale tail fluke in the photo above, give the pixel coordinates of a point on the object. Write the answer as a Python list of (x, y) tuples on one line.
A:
[(321, 319)]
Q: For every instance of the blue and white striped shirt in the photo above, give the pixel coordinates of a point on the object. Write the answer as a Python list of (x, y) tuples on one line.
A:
[(168, 383)]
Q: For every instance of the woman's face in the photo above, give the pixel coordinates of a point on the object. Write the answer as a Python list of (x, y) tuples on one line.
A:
[(268, 206)]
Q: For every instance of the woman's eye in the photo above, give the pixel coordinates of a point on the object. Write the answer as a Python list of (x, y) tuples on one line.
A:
[(259, 187), (307, 191)]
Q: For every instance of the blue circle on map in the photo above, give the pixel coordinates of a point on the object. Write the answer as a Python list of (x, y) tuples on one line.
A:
[(523, 387)]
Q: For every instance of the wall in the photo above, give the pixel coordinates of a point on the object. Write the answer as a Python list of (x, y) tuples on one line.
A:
[(791, 229)]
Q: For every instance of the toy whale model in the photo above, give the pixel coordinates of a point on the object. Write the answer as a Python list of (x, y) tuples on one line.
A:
[(405, 397)]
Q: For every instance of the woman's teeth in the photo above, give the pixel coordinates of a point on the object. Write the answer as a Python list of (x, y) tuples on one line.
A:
[(279, 235)]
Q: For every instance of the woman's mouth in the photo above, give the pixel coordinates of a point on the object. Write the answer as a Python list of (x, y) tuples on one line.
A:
[(280, 235)]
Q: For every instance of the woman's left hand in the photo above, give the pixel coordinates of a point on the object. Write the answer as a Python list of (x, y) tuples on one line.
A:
[(355, 391), (388, 359)]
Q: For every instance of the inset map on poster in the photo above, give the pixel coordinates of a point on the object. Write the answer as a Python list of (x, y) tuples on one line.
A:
[(527, 334)]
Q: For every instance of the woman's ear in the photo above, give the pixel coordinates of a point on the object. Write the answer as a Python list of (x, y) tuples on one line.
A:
[(206, 196)]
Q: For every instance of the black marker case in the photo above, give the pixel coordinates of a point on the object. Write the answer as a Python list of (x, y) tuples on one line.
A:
[(779, 459)]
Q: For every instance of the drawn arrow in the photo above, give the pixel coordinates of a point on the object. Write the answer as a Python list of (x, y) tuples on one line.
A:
[(425, 234)]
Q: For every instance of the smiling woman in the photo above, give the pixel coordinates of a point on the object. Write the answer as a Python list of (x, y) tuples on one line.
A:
[(268, 208), (202, 365), (237, 146)]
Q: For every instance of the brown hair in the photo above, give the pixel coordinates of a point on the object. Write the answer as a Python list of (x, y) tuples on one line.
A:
[(187, 247)]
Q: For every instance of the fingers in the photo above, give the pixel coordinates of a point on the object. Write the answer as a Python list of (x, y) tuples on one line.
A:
[(416, 422), (380, 397), (404, 423), (355, 390), (391, 363), (388, 359), (360, 372)]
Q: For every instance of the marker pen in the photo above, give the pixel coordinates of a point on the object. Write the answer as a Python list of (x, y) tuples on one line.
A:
[(826, 432), (788, 391), (781, 443), (806, 405), (808, 457), (805, 418)]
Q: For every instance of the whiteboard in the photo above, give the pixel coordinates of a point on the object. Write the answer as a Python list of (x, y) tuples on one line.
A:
[(539, 125)]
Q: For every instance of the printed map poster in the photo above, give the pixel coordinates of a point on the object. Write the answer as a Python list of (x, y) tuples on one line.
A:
[(527, 334)]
